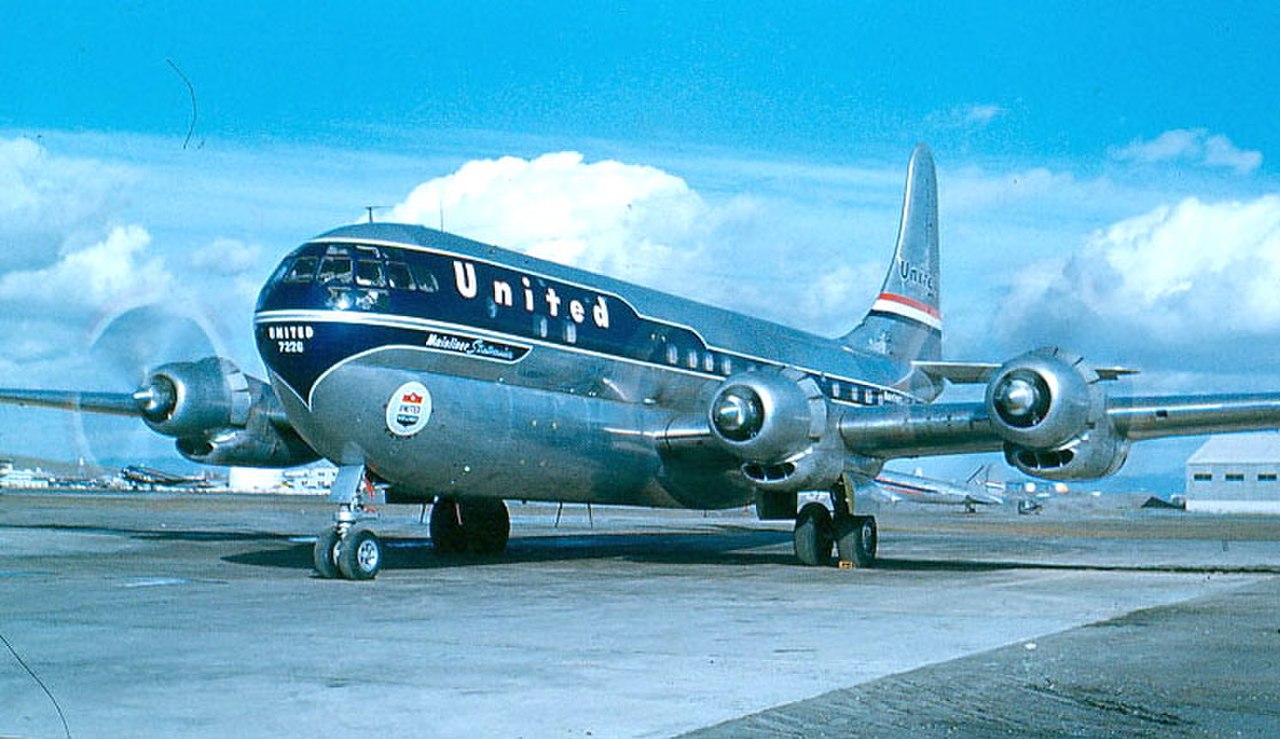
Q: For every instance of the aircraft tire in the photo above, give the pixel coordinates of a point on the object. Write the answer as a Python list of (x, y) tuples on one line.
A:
[(360, 555), (487, 524), (814, 535), (325, 554), (856, 540), (447, 533)]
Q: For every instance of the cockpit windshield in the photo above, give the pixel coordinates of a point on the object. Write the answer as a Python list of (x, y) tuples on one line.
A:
[(359, 276)]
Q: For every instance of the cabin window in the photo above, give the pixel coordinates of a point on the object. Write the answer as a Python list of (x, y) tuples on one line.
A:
[(709, 362), (540, 326), (335, 270), (398, 276), (691, 359), (726, 366), (369, 274), (1235, 477), (1202, 477), (1267, 477), (570, 332), (835, 390), (673, 354), (303, 269)]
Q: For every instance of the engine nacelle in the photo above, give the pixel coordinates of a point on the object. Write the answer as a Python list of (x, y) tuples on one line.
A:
[(220, 415), (188, 399), (1099, 454), (1051, 411), (775, 423), (766, 417), (1044, 400)]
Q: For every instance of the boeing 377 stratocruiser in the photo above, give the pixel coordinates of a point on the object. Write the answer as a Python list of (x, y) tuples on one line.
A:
[(437, 369)]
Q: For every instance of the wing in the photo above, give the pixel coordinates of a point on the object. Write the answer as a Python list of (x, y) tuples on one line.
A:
[(1053, 418), (1049, 412), (217, 414), (115, 404)]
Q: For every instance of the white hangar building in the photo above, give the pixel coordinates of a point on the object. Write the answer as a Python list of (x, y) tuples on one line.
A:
[(1235, 473)]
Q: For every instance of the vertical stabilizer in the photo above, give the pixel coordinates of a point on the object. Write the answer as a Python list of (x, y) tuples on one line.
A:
[(905, 322)]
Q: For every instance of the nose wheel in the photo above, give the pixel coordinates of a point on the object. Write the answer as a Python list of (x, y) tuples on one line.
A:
[(349, 549), (355, 554)]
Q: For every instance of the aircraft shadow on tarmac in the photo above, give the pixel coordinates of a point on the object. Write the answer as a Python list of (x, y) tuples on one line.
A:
[(739, 547), (728, 546), (736, 547)]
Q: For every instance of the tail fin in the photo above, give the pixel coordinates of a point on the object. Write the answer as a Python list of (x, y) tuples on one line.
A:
[(905, 322)]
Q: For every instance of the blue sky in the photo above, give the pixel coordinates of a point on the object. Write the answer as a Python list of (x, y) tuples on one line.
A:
[(1107, 171), (1069, 79)]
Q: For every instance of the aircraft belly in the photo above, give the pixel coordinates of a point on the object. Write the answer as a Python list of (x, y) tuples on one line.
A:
[(481, 436)]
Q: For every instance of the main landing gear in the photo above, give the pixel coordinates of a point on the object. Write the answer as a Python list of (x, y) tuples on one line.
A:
[(471, 526), (349, 549), (818, 531)]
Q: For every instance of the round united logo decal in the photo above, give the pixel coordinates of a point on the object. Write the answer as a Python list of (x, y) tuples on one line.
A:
[(409, 409)]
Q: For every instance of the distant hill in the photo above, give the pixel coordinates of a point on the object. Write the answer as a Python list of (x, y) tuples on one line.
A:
[(61, 468)]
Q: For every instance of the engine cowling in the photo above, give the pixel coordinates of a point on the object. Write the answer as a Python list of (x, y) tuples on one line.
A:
[(1049, 408), (775, 423), (766, 417), (220, 416), (187, 399), (1043, 399)]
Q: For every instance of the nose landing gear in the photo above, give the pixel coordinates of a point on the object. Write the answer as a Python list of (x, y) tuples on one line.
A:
[(349, 549)]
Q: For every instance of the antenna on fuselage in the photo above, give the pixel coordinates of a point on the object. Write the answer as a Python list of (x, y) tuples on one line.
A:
[(371, 208)]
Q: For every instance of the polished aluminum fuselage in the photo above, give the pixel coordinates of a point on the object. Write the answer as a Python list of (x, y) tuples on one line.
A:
[(542, 382)]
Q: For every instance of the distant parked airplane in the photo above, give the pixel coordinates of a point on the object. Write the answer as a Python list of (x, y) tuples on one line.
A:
[(976, 490), (149, 477)]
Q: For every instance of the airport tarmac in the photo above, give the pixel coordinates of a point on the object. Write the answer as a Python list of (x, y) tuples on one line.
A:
[(195, 615)]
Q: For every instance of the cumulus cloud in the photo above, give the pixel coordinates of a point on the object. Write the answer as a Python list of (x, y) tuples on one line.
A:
[(634, 222), (116, 268), (50, 203), (1191, 146), (70, 262), (1194, 281), (49, 312), (557, 207)]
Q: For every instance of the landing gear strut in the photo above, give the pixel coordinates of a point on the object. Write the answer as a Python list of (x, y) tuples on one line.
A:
[(472, 526), (854, 537), (349, 549)]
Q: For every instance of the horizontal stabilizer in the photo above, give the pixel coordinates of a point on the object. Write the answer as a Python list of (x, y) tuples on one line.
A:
[(976, 373)]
